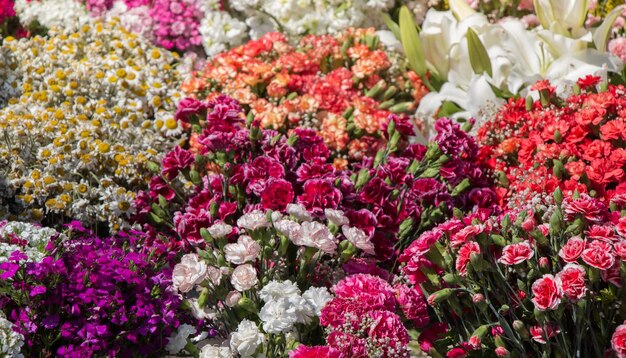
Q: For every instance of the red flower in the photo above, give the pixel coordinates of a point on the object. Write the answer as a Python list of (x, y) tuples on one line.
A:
[(277, 194), (604, 233), (620, 249), (571, 251), (613, 130), (546, 293), (598, 254), (539, 336), (621, 227), (588, 81), (591, 209), (516, 253), (175, 161), (572, 278), (618, 341), (319, 194), (465, 234), (465, 253)]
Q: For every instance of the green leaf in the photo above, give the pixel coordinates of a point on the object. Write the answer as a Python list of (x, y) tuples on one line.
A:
[(447, 109), (602, 33), (479, 58), (392, 25), (411, 42)]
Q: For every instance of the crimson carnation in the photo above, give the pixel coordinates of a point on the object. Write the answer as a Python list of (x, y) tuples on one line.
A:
[(277, 194)]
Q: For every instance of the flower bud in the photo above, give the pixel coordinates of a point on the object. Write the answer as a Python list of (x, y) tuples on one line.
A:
[(520, 328), (153, 167), (502, 352), (203, 298), (529, 103), (247, 304), (389, 92), (206, 236), (402, 107), (461, 187), (543, 263), (439, 296), (376, 90), (558, 138), (478, 298)]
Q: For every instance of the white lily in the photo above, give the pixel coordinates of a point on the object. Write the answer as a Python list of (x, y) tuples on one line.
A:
[(564, 17)]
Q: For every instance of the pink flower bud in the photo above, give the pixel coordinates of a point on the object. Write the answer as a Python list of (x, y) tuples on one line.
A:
[(477, 298), (529, 224), (502, 352), (543, 262), (474, 342)]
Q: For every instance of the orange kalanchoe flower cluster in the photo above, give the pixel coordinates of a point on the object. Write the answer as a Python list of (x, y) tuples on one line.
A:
[(343, 86)]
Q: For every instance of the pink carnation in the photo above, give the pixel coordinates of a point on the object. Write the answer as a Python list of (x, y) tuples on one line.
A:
[(617, 47), (516, 253), (314, 352), (465, 256)]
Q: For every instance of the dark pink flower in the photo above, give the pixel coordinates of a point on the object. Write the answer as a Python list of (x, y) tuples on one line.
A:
[(314, 352), (387, 327), (413, 305), (260, 171), (319, 194), (188, 107), (618, 341), (466, 233), (277, 194), (589, 208), (175, 161)]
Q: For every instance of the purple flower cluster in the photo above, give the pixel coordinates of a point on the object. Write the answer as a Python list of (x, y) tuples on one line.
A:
[(237, 167), (91, 296)]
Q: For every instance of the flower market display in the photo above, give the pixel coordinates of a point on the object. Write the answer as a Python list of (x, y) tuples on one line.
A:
[(81, 114), (343, 87), (295, 179)]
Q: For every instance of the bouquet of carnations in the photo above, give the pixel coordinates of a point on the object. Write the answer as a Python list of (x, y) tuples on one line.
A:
[(543, 279), (574, 143), (344, 87), (269, 223)]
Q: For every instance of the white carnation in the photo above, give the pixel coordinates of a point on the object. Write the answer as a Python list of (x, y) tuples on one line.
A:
[(253, 220), (210, 351), (358, 238), (278, 316), (246, 339), (299, 212), (178, 341), (189, 272), (275, 290), (220, 230), (220, 31), (244, 277), (317, 298), (336, 217), (244, 250)]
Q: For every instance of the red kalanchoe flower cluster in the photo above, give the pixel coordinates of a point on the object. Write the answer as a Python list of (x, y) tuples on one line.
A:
[(575, 143)]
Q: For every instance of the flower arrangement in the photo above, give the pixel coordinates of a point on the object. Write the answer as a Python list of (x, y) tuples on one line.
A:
[(344, 87), (575, 143), (90, 296), (523, 281), (258, 212), (85, 112)]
